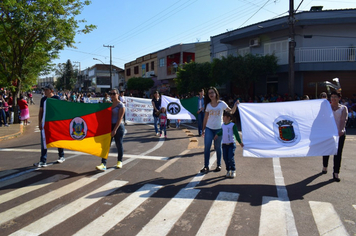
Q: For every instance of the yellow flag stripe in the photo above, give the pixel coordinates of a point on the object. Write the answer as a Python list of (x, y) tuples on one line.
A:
[(97, 146)]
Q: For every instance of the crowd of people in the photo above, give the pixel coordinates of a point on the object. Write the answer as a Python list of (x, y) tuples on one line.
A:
[(214, 120)]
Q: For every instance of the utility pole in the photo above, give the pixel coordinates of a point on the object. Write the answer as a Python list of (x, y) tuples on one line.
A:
[(79, 76), (291, 49), (110, 46)]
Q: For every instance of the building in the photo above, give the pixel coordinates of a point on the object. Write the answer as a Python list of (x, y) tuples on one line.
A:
[(162, 65), (97, 78), (324, 49), (42, 82)]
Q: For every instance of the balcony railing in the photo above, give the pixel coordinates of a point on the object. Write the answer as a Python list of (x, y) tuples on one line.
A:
[(325, 54)]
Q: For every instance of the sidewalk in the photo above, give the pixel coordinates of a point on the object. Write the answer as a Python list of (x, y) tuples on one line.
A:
[(10, 132)]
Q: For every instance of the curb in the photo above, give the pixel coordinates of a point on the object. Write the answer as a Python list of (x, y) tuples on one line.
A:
[(10, 136)]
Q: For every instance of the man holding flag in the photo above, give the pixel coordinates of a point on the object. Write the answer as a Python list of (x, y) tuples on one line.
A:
[(43, 159)]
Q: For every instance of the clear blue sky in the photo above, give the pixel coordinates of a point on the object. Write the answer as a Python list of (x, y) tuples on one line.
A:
[(139, 27)]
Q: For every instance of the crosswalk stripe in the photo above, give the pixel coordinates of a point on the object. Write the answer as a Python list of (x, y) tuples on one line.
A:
[(105, 222), (21, 191), (221, 211), (326, 219), (272, 219), (69, 210), (42, 200), (18, 179), (170, 213)]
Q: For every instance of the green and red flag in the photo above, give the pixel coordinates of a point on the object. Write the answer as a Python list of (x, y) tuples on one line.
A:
[(83, 127)]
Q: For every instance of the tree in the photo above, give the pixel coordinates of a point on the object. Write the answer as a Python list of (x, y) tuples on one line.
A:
[(67, 76), (32, 32), (139, 83), (192, 77)]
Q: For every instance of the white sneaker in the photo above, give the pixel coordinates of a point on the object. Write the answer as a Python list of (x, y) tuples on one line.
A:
[(228, 174), (233, 174), (40, 164), (61, 160)]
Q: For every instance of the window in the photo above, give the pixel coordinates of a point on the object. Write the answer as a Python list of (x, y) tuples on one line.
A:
[(136, 70), (279, 49), (128, 72), (161, 62), (147, 66), (152, 65), (243, 51)]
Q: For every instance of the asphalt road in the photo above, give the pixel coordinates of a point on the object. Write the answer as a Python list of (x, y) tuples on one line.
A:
[(160, 192)]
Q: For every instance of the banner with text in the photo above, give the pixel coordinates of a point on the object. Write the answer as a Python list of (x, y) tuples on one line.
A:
[(139, 110)]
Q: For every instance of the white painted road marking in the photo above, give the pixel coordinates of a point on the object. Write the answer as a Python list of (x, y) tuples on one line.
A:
[(218, 219), (21, 191), (64, 213), (42, 200), (326, 219), (105, 222), (272, 219)]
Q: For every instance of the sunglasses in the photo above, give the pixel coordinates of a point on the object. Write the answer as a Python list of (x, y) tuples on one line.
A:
[(112, 94)]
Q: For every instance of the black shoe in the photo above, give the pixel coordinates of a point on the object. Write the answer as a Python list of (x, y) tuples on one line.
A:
[(336, 179), (204, 170), (324, 172), (218, 168)]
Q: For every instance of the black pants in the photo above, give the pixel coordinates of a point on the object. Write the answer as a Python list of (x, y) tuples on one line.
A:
[(337, 157)]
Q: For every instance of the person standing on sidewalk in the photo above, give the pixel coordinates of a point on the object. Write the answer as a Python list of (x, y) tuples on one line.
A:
[(43, 160), (2, 111)]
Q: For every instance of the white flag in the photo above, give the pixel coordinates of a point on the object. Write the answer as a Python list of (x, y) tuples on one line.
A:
[(175, 110), (288, 129)]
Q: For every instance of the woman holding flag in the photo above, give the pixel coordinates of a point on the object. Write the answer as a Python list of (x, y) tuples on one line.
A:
[(340, 116), (117, 128), (212, 125)]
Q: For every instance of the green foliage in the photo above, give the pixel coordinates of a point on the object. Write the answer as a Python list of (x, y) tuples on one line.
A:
[(67, 76), (193, 76), (32, 33), (238, 71), (139, 83)]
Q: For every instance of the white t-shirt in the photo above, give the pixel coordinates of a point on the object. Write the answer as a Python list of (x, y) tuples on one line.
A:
[(215, 115)]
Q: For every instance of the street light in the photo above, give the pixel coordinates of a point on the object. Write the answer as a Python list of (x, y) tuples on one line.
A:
[(109, 68)]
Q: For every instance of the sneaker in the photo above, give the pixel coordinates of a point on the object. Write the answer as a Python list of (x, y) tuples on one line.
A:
[(6, 125), (119, 165), (218, 168), (61, 160), (157, 134), (228, 174), (165, 136), (102, 167), (204, 170), (40, 164), (233, 174)]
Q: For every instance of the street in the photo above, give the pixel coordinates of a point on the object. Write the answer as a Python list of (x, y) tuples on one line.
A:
[(159, 190)]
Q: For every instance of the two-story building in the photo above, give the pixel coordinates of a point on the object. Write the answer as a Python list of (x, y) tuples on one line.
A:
[(97, 78), (324, 49), (162, 65)]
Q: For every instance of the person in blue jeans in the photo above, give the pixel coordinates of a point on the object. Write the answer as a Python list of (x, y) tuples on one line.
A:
[(230, 134), (2, 111), (156, 104), (117, 129), (200, 112), (212, 125), (49, 89)]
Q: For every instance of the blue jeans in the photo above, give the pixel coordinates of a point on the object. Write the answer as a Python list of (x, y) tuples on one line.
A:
[(208, 138), (2, 117), (119, 137), (44, 151), (200, 122), (163, 128), (155, 121), (228, 155)]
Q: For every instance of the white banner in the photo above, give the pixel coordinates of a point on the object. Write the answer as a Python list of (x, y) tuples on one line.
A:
[(139, 110), (288, 129), (175, 110)]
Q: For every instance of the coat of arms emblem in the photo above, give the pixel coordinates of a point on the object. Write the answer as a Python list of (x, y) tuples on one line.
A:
[(286, 130), (78, 128)]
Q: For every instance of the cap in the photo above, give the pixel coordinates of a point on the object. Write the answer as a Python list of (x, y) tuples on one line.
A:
[(49, 86)]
